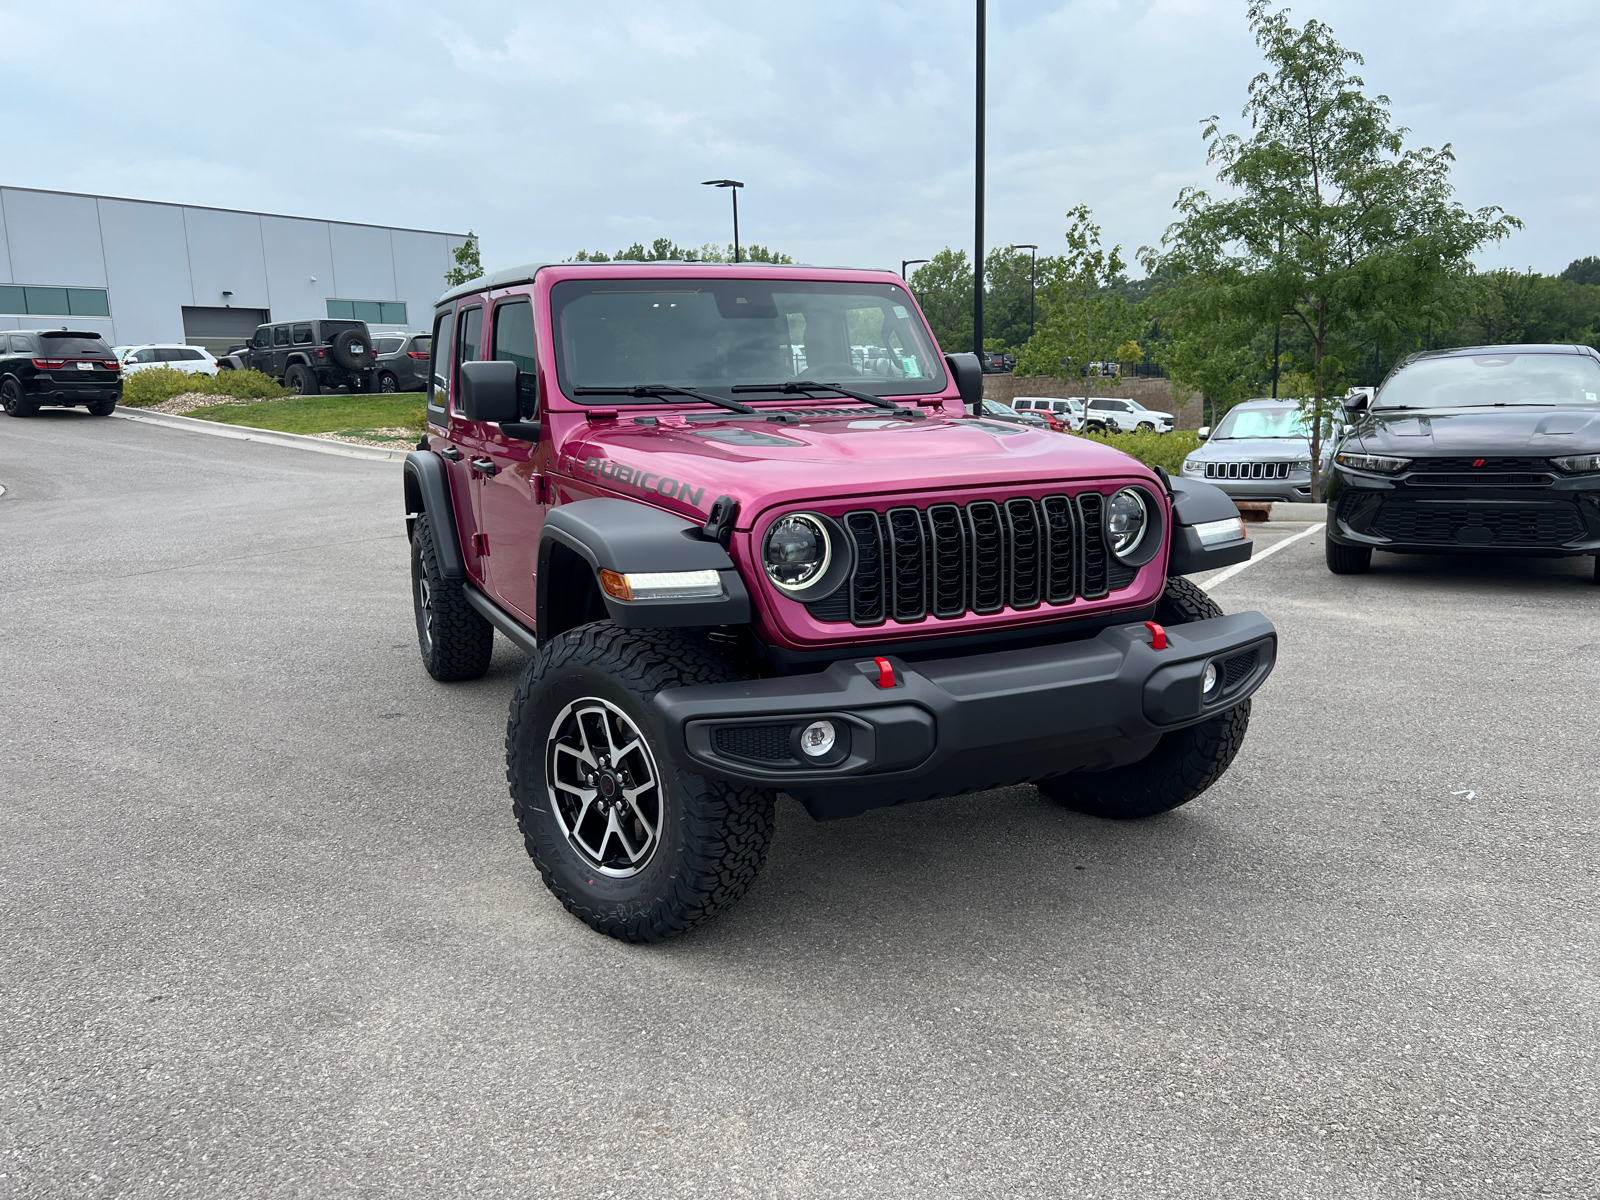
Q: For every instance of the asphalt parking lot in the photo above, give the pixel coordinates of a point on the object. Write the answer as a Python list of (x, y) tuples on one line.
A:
[(268, 929)]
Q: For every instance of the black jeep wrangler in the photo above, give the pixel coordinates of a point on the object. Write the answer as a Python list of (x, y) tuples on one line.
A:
[(310, 356)]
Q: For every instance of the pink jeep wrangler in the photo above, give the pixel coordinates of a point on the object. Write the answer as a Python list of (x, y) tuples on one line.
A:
[(751, 537)]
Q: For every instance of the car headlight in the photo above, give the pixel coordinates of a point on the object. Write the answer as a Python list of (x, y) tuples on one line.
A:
[(1193, 464), (1302, 464), (1127, 516), (1577, 464), (797, 552), (1379, 463)]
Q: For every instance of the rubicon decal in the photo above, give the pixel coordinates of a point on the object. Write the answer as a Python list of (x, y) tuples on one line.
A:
[(645, 481)]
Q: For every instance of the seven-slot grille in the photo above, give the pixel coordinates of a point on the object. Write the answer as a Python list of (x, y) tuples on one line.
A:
[(950, 559), (1249, 470)]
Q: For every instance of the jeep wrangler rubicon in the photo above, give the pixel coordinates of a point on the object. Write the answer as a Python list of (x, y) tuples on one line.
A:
[(741, 560), (310, 357)]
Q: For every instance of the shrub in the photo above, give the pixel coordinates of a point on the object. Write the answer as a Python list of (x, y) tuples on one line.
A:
[(141, 389), (1165, 450)]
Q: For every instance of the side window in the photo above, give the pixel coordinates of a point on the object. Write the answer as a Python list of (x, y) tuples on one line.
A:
[(263, 338), (21, 343), (468, 342), (167, 354), (280, 335), (514, 342), (189, 356), (443, 333), (302, 335), (145, 356)]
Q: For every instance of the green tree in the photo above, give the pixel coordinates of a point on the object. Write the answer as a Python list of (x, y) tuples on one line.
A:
[(467, 266), (1332, 223), (667, 250), (943, 286), (1583, 270), (1087, 317), (1208, 348)]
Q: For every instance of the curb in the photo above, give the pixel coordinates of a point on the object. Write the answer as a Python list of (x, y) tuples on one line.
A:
[(247, 433), (1298, 512)]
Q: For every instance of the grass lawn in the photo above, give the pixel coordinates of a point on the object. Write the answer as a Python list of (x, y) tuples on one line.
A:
[(322, 414)]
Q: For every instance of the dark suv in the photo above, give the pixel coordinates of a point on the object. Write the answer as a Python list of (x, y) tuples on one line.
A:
[(402, 361), (58, 366), (734, 576), (311, 356)]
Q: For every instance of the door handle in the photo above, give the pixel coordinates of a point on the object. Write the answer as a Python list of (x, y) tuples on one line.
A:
[(484, 466), (451, 453)]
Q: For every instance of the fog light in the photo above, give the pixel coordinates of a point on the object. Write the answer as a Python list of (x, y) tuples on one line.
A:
[(1208, 681), (817, 738)]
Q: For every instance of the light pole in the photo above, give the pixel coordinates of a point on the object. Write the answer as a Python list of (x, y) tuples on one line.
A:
[(977, 200), (735, 185), (907, 262), (1033, 264)]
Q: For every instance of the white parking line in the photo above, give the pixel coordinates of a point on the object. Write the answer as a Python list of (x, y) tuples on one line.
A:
[(1229, 572)]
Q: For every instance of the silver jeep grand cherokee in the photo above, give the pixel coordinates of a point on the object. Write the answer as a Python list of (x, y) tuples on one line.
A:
[(1261, 450)]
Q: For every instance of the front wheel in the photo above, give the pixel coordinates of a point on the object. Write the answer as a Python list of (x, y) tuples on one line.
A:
[(1346, 560), (1184, 763), (630, 839)]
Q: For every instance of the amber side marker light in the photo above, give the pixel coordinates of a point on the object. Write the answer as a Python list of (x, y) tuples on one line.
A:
[(661, 585)]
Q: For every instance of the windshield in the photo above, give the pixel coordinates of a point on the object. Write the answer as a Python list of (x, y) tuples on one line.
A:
[(1262, 423), (715, 334), (1481, 380), (995, 408)]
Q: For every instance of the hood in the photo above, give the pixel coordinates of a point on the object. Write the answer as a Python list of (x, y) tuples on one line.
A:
[(1446, 433), (1252, 449), (855, 454)]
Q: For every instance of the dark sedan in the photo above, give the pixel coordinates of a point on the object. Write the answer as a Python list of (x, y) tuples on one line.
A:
[(1484, 450)]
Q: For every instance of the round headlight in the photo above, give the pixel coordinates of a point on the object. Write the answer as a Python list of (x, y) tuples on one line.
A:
[(1126, 519), (797, 551)]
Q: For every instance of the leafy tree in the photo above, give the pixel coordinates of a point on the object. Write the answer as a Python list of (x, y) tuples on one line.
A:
[(943, 286), (1211, 350), (667, 250), (1087, 317), (467, 267), (1583, 270), (1332, 223)]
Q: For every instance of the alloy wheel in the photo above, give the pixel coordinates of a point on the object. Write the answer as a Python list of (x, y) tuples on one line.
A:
[(605, 790)]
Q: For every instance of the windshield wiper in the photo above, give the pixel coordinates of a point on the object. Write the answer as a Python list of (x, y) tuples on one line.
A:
[(803, 387), (658, 392)]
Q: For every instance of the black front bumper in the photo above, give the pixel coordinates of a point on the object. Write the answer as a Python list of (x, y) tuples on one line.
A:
[(1559, 519), (970, 723)]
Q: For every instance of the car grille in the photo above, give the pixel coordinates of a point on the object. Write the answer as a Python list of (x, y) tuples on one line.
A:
[(947, 560), (1481, 472), (1455, 525), (762, 743), (1248, 470), (1237, 669)]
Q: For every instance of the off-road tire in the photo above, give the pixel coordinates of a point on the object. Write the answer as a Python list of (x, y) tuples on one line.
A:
[(13, 401), (714, 835), (458, 642), (1184, 763), (103, 408), (1346, 560), (302, 380), (388, 383)]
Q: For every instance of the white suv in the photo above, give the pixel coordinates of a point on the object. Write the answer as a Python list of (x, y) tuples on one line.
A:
[(1068, 410), (1125, 416), (191, 359)]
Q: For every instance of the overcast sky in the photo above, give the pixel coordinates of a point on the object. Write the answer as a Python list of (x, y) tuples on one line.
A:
[(549, 128)]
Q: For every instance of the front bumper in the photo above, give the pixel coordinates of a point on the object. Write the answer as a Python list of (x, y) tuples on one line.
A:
[(1558, 520), (969, 723)]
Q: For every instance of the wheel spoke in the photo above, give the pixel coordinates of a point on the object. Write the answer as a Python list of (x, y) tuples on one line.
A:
[(582, 756), (649, 829), (599, 770)]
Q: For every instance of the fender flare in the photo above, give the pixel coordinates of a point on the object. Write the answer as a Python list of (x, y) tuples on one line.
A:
[(427, 490), (1195, 502), (627, 537)]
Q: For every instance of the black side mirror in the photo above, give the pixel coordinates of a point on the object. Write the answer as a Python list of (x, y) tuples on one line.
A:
[(968, 372), (489, 391)]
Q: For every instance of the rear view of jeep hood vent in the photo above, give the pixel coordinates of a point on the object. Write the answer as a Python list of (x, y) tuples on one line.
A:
[(947, 560)]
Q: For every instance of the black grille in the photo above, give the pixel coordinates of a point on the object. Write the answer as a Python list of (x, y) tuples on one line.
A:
[(983, 557), (1481, 464), (1237, 669), (1483, 525), (764, 743)]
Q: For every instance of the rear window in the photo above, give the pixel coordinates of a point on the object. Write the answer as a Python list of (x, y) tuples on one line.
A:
[(74, 345), (332, 329), (422, 345)]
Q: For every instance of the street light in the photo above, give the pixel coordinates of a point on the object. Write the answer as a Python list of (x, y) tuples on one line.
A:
[(735, 185), (1033, 263), (977, 198), (909, 262)]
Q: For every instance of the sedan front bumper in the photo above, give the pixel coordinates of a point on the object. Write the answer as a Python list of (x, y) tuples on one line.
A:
[(964, 724)]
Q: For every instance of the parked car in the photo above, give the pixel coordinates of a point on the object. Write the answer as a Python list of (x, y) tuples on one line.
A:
[(402, 361), (1004, 412), (1067, 412), (1260, 450), (997, 362), (731, 580), (1125, 416), (311, 356), (1477, 450), (191, 359), (62, 367)]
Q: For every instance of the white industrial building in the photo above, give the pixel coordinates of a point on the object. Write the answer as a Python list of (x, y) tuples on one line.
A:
[(140, 271)]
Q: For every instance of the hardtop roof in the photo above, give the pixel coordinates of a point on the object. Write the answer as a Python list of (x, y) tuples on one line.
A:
[(511, 276)]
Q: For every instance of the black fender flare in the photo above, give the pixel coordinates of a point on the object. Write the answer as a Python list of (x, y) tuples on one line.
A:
[(427, 490), (628, 537), (1195, 502)]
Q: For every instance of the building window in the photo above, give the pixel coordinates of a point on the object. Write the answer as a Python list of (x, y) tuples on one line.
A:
[(54, 301), (373, 312)]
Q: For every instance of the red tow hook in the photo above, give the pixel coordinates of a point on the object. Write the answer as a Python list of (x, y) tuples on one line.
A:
[(885, 673), (1158, 636)]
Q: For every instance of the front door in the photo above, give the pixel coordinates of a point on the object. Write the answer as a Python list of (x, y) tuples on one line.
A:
[(514, 497), (469, 473)]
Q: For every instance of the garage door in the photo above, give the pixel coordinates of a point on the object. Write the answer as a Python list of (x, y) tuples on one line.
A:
[(218, 328)]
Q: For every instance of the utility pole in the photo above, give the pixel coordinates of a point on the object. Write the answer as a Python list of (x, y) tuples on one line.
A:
[(977, 203), (1276, 330)]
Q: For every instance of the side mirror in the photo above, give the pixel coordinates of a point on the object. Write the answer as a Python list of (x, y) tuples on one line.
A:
[(489, 391), (1204, 431), (1358, 402), (968, 372)]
